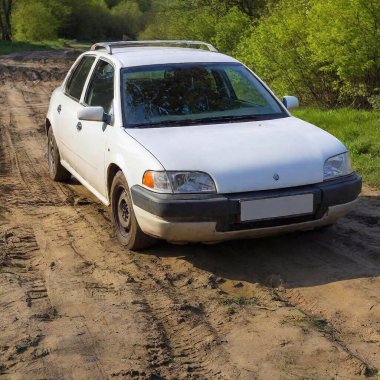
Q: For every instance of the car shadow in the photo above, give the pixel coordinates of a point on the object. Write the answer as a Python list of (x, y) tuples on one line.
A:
[(348, 250)]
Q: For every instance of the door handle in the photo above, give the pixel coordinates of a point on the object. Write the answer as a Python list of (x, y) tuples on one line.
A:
[(59, 109), (79, 126)]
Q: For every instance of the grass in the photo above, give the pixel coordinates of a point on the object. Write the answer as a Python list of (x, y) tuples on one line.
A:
[(235, 302), (359, 130), (7, 47)]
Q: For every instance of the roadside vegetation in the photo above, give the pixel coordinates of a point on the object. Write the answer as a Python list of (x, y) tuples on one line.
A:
[(7, 47), (326, 52)]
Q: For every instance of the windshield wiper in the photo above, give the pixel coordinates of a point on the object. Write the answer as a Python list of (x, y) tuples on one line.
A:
[(165, 123), (230, 118), (216, 119)]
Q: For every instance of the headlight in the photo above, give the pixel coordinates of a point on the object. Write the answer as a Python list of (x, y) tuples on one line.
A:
[(191, 182), (337, 166), (179, 182)]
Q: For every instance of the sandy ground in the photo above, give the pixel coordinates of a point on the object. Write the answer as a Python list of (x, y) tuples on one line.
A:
[(75, 305)]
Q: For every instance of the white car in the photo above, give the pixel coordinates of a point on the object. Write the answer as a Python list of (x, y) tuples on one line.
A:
[(188, 145)]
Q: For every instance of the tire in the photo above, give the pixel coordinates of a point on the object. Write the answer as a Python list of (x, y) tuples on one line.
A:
[(126, 226), (56, 171)]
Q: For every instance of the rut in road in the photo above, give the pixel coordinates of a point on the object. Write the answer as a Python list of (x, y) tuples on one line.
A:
[(155, 307), (77, 305)]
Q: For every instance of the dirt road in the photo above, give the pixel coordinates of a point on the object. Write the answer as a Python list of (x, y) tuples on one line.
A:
[(75, 305)]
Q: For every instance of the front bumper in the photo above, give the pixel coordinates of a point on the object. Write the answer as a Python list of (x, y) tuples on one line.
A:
[(214, 217)]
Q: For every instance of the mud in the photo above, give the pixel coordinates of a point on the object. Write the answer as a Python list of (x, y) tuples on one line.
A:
[(75, 305)]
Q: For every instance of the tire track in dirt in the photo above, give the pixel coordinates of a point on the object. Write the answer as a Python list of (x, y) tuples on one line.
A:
[(161, 347), (61, 228), (33, 179)]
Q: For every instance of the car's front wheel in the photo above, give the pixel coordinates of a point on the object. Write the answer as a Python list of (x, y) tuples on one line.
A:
[(56, 171), (127, 228)]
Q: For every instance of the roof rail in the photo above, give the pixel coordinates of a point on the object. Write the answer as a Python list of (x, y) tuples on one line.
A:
[(123, 44)]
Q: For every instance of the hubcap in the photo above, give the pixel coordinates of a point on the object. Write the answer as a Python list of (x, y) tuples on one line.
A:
[(123, 211)]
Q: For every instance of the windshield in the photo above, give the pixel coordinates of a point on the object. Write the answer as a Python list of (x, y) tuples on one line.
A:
[(194, 93)]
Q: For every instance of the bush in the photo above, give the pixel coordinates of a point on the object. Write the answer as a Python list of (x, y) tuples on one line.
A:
[(325, 51), (34, 21), (230, 29), (345, 39), (277, 50), (176, 23)]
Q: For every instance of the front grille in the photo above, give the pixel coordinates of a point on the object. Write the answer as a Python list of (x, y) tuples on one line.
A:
[(265, 223)]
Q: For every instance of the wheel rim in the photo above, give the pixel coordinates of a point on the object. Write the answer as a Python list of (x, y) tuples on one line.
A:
[(123, 212), (51, 154)]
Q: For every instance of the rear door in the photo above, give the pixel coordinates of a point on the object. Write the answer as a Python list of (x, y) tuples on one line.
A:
[(67, 108)]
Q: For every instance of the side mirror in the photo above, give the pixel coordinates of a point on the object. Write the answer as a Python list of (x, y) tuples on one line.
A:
[(290, 102), (94, 114)]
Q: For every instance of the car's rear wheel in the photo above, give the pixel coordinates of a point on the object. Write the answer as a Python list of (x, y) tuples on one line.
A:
[(56, 171), (127, 228)]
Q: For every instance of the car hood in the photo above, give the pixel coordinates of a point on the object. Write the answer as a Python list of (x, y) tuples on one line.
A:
[(247, 156)]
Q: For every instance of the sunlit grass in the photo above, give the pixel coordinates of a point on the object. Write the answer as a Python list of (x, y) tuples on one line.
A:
[(7, 47)]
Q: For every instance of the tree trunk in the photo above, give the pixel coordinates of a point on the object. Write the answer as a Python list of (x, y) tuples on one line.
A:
[(5, 19)]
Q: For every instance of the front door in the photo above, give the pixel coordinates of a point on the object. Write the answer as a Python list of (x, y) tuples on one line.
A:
[(92, 137)]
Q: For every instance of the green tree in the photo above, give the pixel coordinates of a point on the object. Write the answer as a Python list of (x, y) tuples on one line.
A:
[(277, 50), (251, 8), (87, 20), (180, 20), (230, 29), (5, 19), (325, 51), (127, 20), (344, 37), (36, 20)]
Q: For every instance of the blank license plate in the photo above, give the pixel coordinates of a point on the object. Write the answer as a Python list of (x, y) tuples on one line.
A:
[(270, 208)]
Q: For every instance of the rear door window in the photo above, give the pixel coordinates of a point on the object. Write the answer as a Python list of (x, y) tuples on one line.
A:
[(78, 78)]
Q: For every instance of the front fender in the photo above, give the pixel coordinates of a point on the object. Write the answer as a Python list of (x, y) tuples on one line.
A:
[(130, 156)]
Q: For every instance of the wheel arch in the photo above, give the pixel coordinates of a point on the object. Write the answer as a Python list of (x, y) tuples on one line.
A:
[(112, 169), (47, 125)]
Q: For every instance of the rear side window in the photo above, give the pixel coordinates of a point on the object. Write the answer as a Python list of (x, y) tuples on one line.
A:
[(77, 80), (101, 88)]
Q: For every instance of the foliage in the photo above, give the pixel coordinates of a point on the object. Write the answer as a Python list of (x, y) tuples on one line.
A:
[(348, 45), (250, 8), (7, 47), (359, 130), (325, 51), (5, 19), (277, 49), (127, 19), (88, 20), (180, 21), (34, 21), (230, 29)]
